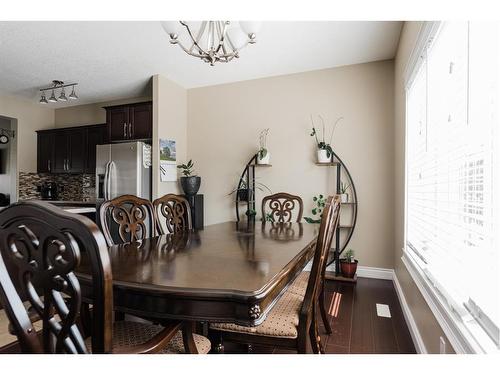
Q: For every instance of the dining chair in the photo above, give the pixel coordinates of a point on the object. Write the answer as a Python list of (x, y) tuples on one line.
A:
[(126, 219), (172, 213), (41, 247), (281, 207), (293, 318)]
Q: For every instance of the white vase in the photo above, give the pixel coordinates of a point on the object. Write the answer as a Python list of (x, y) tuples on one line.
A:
[(323, 157), (344, 198), (265, 159)]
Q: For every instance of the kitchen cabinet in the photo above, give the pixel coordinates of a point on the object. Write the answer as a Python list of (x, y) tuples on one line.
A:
[(96, 135), (45, 152), (130, 122), (69, 150)]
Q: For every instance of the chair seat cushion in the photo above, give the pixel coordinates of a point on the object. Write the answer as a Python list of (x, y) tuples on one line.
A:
[(299, 285), (128, 334), (281, 321)]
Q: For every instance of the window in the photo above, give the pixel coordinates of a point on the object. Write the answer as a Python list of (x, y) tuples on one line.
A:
[(453, 173)]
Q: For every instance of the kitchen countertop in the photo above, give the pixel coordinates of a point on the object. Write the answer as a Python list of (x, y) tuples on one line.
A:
[(76, 207)]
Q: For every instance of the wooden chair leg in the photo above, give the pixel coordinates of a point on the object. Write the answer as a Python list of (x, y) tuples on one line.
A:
[(324, 314), (315, 339), (187, 338)]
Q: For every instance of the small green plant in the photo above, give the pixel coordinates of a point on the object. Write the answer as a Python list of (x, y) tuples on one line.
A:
[(349, 255), (344, 187), (251, 213), (269, 218), (187, 169), (322, 145), (263, 143), (244, 186), (320, 202)]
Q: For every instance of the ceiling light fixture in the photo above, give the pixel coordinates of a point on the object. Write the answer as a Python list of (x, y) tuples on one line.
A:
[(43, 100), (56, 85), (213, 41)]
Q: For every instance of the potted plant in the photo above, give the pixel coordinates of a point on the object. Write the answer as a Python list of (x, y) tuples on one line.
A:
[(324, 150), (320, 203), (263, 155), (251, 213), (190, 182), (348, 265), (344, 196), (244, 193)]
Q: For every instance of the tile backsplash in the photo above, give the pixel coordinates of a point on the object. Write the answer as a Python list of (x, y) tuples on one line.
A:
[(72, 187)]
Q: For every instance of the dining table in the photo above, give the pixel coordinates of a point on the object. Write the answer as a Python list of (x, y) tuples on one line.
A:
[(227, 272)]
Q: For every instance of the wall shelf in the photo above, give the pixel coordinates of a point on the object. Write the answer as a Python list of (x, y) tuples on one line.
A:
[(346, 229)]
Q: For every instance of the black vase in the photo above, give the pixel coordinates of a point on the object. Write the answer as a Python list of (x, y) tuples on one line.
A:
[(244, 195), (191, 184)]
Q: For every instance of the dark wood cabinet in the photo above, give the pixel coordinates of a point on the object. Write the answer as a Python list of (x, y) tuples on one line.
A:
[(118, 123), (60, 152), (69, 150), (96, 135), (45, 152), (130, 122), (77, 150)]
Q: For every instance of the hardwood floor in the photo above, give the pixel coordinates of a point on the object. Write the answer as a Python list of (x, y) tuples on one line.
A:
[(353, 317), (355, 324)]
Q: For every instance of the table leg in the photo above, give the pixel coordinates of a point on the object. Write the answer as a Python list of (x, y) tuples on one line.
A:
[(187, 338)]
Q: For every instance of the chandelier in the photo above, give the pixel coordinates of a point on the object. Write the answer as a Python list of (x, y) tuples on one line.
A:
[(56, 85), (213, 41)]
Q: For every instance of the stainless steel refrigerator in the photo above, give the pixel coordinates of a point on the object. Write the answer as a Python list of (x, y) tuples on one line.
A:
[(123, 168)]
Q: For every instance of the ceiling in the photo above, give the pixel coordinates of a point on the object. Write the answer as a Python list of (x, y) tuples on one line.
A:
[(113, 59)]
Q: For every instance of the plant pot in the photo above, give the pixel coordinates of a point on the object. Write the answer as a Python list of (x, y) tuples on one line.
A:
[(344, 197), (323, 156), (265, 159), (191, 184), (243, 195), (347, 268)]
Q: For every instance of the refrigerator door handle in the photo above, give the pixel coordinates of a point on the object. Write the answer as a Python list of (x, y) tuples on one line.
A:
[(124, 130), (110, 177), (105, 184)]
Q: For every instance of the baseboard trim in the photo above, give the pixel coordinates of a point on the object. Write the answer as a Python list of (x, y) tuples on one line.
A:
[(375, 273), (410, 320)]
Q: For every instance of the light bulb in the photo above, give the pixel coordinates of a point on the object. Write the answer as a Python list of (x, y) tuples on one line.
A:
[(237, 38), (171, 27), (52, 98)]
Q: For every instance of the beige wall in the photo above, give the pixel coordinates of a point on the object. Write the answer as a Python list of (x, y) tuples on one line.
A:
[(169, 122), (224, 123), (427, 324), (88, 114), (30, 116)]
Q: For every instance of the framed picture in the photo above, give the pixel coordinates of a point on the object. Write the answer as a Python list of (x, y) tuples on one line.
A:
[(168, 160)]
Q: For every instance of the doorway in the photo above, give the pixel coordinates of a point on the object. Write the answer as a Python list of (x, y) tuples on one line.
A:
[(8, 161)]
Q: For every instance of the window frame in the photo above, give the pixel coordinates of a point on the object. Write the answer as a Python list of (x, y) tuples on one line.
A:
[(464, 334)]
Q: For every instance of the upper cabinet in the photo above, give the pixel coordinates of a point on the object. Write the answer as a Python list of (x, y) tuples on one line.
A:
[(69, 150), (45, 152), (130, 122)]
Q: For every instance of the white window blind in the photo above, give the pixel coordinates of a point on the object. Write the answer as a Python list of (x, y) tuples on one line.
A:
[(453, 169)]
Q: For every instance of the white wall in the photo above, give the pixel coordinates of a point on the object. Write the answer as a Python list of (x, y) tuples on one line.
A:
[(169, 122), (31, 116), (224, 122)]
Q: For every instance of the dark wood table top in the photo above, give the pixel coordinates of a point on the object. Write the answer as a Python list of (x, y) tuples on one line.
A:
[(226, 272)]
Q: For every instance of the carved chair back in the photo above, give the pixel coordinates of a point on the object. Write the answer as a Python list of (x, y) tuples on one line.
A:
[(127, 219), (40, 248), (282, 206), (329, 223), (173, 214)]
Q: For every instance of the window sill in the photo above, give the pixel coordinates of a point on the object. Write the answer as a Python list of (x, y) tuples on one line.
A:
[(457, 330)]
